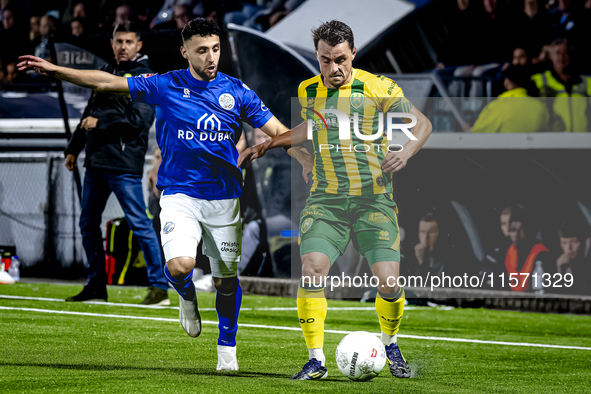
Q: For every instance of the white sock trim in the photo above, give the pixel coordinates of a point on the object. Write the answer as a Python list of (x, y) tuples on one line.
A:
[(388, 339), (318, 354)]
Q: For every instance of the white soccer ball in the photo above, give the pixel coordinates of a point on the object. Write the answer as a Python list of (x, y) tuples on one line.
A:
[(361, 356)]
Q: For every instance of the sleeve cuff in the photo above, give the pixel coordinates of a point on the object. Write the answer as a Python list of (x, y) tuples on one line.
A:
[(261, 122), (132, 88)]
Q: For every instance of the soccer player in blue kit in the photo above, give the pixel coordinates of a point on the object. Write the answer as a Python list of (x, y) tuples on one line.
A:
[(199, 111)]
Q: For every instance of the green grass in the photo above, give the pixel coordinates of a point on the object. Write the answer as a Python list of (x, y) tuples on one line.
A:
[(44, 352)]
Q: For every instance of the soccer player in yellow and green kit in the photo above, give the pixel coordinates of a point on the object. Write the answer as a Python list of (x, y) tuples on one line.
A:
[(352, 192)]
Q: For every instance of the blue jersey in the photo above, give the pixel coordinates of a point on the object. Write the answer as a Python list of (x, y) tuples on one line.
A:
[(195, 126)]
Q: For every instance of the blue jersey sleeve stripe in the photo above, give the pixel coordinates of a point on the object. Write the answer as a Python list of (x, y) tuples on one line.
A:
[(261, 122), (132, 88)]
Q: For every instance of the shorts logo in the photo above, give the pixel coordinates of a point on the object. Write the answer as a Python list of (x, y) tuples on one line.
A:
[(186, 93), (230, 247), (378, 217), (168, 227), (227, 101), (310, 320), (307, 224), (384, 235), (357, 100), (380, 181), (264, 107)]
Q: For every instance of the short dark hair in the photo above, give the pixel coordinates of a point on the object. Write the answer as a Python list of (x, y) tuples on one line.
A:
[(200, 27), (333, 33), (519, 75), (127, 27), (429, 217), (572, 229)]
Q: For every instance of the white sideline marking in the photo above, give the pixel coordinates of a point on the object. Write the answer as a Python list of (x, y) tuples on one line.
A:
[(284, 328), (331, 308)]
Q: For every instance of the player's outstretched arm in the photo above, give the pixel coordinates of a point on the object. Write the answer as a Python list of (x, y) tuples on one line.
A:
[(396, 161), (93, 79), (293, 137)]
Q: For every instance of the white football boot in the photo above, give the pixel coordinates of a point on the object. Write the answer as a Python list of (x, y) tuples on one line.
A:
[(189, 316), (227, 358)]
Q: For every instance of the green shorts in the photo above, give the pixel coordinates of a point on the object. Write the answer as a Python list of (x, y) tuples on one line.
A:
[(371, 221)]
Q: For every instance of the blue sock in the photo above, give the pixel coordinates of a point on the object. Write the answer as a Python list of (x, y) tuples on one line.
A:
[(228, 307), (184, 287)]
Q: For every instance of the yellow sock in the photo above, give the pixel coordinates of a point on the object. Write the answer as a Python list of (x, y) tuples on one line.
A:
[(312, 307), (390, 310)]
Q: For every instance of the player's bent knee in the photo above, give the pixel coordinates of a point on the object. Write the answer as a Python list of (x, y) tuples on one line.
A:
[(180, 267), (226, 286)]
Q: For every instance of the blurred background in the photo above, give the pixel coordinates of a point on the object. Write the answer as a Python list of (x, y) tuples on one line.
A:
[(467, 64)]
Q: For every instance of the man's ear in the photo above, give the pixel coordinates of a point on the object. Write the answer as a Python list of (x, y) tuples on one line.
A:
[(111, 43), (184, 52), (140, 44), (354, 52)]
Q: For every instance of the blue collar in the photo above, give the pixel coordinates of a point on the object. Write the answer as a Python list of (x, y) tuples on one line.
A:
[(198, 83)]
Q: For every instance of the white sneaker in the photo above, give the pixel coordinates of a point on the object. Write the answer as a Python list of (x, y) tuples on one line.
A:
[(189, 316), (227, 358)]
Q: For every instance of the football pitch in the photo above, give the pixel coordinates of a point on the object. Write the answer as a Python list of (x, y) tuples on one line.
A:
[(48, 345)]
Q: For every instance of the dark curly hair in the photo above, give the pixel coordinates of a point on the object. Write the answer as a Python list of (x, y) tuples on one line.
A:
[(200, 27), (333, 33)]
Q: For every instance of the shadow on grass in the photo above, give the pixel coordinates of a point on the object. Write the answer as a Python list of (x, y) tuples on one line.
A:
[(177, 370), (181, 371)]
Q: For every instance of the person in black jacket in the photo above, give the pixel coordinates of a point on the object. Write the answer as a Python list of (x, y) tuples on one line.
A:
[(114, 131)]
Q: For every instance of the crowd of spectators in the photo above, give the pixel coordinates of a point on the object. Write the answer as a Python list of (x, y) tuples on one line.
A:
[(519, 250), (26, 25), (544, 41)]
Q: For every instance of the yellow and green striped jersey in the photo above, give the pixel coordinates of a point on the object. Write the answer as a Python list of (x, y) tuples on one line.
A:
[(350, 166)]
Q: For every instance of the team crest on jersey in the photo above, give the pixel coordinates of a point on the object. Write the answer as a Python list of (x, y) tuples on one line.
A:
[(307, 224), (227, 101), (380, 181), (357, 100), (168, 227)]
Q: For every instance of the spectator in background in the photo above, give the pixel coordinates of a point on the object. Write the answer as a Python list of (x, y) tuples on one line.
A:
[(575, 258), (514, 111), (526, 253), (182, 15), (79, 11), (260, 236), (47, 28), (431, 253), (13, 39), (34, 28), (572, 22), (533, 25), (564, 83), (493, 261), (8, 18), (77, 26), (114, 132), (124, 13), (520, 57)]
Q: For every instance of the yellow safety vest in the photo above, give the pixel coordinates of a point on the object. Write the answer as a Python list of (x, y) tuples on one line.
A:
[(513, 112), (570, 109)]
